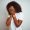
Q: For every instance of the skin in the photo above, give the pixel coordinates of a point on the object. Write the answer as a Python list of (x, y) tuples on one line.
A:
[(13, 12)]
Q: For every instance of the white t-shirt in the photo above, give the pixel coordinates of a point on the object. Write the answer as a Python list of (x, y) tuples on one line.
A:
[(12, 26)]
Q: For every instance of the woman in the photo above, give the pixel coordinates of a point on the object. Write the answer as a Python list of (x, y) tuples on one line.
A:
[(13, 8)]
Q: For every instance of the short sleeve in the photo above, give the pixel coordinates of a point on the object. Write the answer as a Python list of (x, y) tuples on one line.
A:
[(20, 16)]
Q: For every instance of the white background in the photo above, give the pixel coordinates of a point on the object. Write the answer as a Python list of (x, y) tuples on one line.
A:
[(25, 4)]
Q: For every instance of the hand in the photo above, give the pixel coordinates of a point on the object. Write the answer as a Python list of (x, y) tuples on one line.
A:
[(14, 16)]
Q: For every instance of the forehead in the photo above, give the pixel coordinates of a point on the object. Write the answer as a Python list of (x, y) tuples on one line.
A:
[(11, 7)]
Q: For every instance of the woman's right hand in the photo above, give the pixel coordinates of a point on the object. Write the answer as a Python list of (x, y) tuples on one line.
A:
[(8, 22)]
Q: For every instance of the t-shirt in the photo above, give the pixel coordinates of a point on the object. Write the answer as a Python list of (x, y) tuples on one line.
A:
[(12, 26)]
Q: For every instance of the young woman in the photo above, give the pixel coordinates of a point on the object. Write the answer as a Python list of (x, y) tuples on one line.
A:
[(13, 8)]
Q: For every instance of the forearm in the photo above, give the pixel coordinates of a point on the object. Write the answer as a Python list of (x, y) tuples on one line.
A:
[(17, 22), (8, 22)]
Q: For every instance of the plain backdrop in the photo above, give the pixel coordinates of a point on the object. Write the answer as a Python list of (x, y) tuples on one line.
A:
[(25, 4)]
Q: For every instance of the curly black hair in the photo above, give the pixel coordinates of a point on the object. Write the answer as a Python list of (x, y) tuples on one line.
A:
[(15, 5)]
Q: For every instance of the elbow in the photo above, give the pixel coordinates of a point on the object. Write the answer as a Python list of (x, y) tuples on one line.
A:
[(18, 24)]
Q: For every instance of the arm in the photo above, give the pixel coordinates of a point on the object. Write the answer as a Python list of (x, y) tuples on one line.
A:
[(8, 22), (17, 22)]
